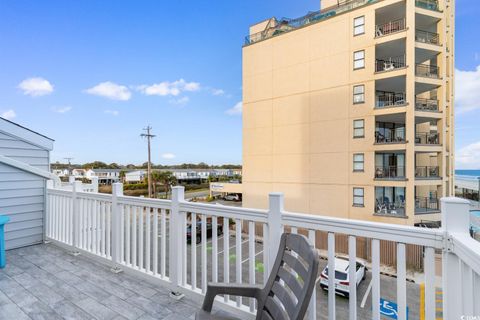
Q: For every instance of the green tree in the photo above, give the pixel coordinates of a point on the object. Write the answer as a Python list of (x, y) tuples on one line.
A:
[(167, 179)]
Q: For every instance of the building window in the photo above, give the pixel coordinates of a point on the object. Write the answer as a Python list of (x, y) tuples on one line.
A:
[(359, 59), (358, 162), (359, 26), (358, 197), (359, 94), (358, 128)]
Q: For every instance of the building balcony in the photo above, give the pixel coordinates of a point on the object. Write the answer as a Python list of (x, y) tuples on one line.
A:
[(427, 205), (427, 138), (427, 37), (389, 99), (390, 27), (390, 63), (427, 172), (390, 136), (391, 209), (428, 105), (427, 71), (428, 4), (390, 172)]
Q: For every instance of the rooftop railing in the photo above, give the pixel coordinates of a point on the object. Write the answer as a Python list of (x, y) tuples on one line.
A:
[(427, 37), (286, 24), (148, 238)]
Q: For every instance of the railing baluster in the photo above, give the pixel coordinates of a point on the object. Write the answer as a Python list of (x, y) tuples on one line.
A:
[(193, 251), (466, 276), (163, 242), (128, 214), (121, 219), (266, 248), (99, 227), (204, 254), (331, 276), (140, 237), (251, 259), (134, 236), (238, 255), (214, 249), (108, 227), (226, 253), (375, 279), (148, 217), (94, 225), (89, 225), (401, 282), (155, 241), (352, 272), (476, 293), (430, 303), (83, 220)]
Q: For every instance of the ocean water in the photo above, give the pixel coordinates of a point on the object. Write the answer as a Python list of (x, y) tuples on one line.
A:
[(468, 173)]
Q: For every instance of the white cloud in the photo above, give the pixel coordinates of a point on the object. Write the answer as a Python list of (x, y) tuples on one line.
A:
[(180, 101), (36, 87), (469, 157), (111, 91), (168, 156), (467, 90), (218, 92), (9, 114), (61, 109), (112, 112), (167, 88), (235, 110)]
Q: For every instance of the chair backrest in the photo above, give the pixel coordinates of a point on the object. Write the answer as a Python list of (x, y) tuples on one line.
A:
[(291, 283)]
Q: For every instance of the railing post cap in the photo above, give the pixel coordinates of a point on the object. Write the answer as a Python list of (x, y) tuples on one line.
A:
[(275, 194), (178, 188), (117, 188)]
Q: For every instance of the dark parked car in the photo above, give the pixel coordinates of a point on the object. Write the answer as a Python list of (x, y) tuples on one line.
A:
[(209, 229)]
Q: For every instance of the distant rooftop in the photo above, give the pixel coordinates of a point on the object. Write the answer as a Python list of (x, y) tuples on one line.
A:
[(275, 27)]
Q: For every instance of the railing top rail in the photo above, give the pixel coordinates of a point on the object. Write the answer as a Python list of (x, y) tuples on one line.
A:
[(467, 249), (376, 230), (147, 202), (256, 215), (94, 196), (61, 192)]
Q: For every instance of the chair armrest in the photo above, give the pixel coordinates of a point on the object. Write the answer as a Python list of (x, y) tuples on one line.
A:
[(243, 290)]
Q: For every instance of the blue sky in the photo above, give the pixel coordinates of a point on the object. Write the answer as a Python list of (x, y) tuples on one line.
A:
[(92, 74)]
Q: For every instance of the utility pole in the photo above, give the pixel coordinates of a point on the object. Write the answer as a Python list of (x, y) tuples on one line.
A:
[(69, 165), (149, 137)]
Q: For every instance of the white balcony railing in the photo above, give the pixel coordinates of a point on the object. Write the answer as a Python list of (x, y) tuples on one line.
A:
[(155, 240)]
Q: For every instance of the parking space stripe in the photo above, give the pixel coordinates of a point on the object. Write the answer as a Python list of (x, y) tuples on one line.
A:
[(364, 300)]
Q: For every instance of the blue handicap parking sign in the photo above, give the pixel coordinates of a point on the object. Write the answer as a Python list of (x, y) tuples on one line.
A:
[(389, 309)]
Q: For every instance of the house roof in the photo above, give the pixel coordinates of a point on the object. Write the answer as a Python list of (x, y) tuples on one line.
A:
[(14, 129), (106, 170)]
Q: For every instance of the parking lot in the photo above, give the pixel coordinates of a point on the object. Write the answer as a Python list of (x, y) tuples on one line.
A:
[(388, 287)]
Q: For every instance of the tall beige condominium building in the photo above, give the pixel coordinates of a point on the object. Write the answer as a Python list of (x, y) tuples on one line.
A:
[(349, 110)]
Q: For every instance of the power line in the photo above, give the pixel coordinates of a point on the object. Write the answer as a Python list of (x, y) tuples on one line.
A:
[(149, 137)]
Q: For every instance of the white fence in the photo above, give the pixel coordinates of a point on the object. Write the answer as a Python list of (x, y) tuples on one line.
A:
[(158, 240)]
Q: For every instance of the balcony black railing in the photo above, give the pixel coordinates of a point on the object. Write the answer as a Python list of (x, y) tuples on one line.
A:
[(389, 172), (427, 138), (390, 27), (427, 71), (422, 104), (427, 37), (389, 99), (427, 172), (385, 207), (425, 205), (393, 136), (427, 4), (389, 64)]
